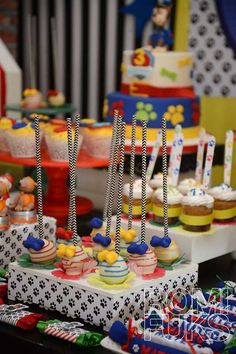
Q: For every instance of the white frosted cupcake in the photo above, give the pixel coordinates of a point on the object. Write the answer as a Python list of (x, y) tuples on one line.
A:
[(225, 202), (187, 184), (174, 198), (157, 181), (197, 210), (137, 198)]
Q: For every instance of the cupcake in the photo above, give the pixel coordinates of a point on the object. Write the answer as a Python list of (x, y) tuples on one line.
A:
[(102, 243), (56, 98), (57, 144), (174, 198), (186, 184), (142, 260), (137, 201), (112, 268), (157, 181), (224, 202), (5, 126), (98, 140), (165, 249), (40, 251), (21, 140), (33, 99), (197, 210)]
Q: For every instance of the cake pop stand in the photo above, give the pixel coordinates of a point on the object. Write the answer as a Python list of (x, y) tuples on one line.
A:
[(197, 247), (56, 202)]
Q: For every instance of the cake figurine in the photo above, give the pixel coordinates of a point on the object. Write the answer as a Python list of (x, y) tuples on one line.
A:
[(102, 243), (197, 210), (33, 99), (56, 98), (41, 251), (162, 38), (174, 205), (165, 249), (224, 202), (142, 260), (5, 186), (22, 210), (112, 267)]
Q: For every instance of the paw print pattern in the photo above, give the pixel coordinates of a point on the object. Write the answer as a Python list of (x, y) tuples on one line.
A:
[(13, 245), (29, 299), (116, 305), (18, 251), (90, 299), (64, 310), (102, 322), (47, 295), (42, 284), (78, 295), (109, 315), (127, 301), (71, 302), (24, 288), (65, 291), (41, 303), (30, 281), (137, 298), (59, 299), (145, 111), (175, 114), (90, 318), (19, 278), (77, 313), (84, 306), (103, 303), (36, 292), (52, 306), (96, 310), (54, 288), (121, 313)]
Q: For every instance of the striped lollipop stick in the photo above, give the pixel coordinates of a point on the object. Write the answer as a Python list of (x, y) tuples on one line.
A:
[(229, 143), (131, 173), (143, 177), (111, 165), (178, 129), (120, 187), (113, 179), (200, 155), (177, 157), (72, 169), (153, 157), (75, 156), (208, 162), (39, 176), (165, 173)]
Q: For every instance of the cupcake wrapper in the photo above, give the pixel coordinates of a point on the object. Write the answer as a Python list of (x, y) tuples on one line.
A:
[(58, 148), (21, 145), (98, 147), (3, 141)]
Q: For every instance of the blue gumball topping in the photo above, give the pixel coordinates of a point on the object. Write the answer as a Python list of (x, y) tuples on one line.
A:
[(95, 223), (102, 240), (32, 242), (135, 248), (19, 125), (157, 241)]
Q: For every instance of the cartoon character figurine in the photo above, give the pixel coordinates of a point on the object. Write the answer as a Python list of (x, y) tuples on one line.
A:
[(162, 38), (6, 181)]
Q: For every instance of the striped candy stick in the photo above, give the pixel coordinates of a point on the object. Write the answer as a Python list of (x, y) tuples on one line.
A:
[(39, 176), (165, 174), (229, 143), (120, 188), (208, 162), (143, 177), (153, 157), (131, 173), (200, 155)]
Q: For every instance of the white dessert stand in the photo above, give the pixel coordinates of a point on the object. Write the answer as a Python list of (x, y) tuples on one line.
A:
[(198, 247)]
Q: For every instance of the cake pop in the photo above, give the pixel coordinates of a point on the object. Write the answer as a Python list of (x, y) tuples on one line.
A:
[(165, 249), (41, 251), (142, 259), (112, 267), (97, 227), (102, 243)]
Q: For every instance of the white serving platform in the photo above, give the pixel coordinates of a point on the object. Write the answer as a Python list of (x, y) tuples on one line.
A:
[(100, 307), (196, 246), (11, 240)]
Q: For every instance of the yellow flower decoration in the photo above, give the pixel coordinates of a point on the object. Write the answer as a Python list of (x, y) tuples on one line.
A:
[(109, 256), (65, 251), (30, 92), (127, 235), (175, 114)]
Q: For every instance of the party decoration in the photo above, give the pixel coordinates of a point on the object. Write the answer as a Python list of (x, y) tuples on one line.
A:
[(209, 160), (200, 155), (17, 315), (167, 73), (102, 240), (153, 157), (229, 143)]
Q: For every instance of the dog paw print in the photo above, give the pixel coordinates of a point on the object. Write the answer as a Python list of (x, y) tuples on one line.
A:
[(175, 114), (25, 230), (103, 303), (183, 281), (96, 310), (71, 302), (19, 278), (42, 284), (18, 295), (7, 240), (192, 278), (150, 302), (36, 228), (13, 284), (2, 248), (127, 301), (14, 232), (77, 313), (102, 322), (187, 287), (13, 245), (18, 251), (12, 259), (160, 299), (174, 284), (65, 291), (52, 306), (24, 288), (116, 305), (30, 281), (47, 295), (29, 299), (147, 294), (36, 292), (41, 303), (131, 309), (1, 262), (64, 310), (84, 306), (78, 295), (90, 318), (7, 254), (137, 298), (165, 287), (121, 313), (141, 306), (59, 299), (145, 111), (53, 288), (19, 238), (136, 316), (1, 234), (109, 315), (90, 299)]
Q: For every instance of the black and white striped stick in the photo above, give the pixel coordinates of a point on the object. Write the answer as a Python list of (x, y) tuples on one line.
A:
[(120, 187), (72, 169), (113, 179), (111, 165), (144, 167), (165, 174), (131, 173), (39, 176)]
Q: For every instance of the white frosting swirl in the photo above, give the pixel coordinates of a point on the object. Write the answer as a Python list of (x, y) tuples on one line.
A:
[(186, 184), (173, 196), (137, 190), (223, 192), (197, 197), (157, 181)]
